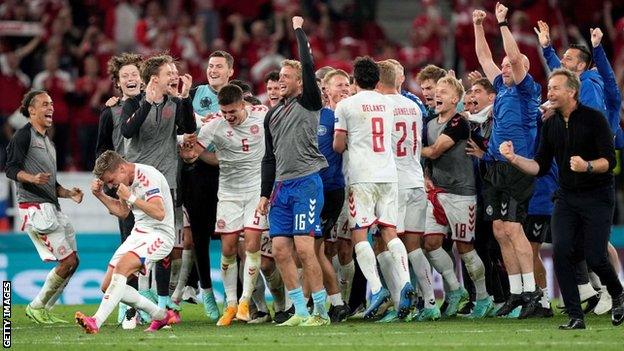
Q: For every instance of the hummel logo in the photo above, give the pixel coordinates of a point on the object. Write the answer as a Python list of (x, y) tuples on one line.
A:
[(504, 208)]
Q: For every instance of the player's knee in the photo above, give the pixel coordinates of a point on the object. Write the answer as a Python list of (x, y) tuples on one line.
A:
[(463, 248), (432, 244), (69, 264)]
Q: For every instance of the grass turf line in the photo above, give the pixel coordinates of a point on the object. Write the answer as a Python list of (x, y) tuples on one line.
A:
[(196, 333)]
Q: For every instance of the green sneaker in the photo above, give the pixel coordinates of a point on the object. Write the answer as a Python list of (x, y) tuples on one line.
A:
[(315, 321), (429, 314), (454, 299), (294, 321), (389, 317), (38, 315), (210, 307), (54, 318), (482, 308), (494, 310)]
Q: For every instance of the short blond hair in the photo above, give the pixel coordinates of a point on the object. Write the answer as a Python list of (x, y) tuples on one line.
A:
[(109, 160), (454, 83), (333, 73), (387, 73), (293, 64), (397, 64)]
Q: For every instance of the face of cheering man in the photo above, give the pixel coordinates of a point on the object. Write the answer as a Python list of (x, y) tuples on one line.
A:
[(290, 82), (218, 72), (571, 60), (234, 113), (445, 99), (123, 174), (273, 92), (41, 110), (337, 88), (560, 95), (480, 98), (428, 87), (129, 80)]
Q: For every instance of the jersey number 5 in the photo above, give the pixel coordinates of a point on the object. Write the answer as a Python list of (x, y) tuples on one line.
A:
[(245, 145), (402, 126), (378, 134)]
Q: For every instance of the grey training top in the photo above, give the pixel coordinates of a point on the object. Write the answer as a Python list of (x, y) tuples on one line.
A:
[(33, 153), (152, 130), (453, 170)]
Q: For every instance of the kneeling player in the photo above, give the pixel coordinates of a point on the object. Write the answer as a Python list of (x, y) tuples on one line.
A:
[(145, 191)]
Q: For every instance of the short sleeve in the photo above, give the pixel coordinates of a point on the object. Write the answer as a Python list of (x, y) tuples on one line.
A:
[(340, 118), (207, 132), (498, 82), (457, 129), (149, 188)]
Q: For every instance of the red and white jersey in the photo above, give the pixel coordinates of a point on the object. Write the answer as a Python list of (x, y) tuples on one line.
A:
[(149, 183), (368, 119), (407, 141), (239, 148)]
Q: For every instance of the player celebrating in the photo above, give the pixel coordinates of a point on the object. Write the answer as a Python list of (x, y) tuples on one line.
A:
[(290, 166), (373, 191), (144, 191), (31, 163), (452, 198), (406, 144), (238, 138)]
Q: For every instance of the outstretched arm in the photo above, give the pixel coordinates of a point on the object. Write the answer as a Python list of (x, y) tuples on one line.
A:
[(518, 69), (311, 97), (481, 47), (543, 35)]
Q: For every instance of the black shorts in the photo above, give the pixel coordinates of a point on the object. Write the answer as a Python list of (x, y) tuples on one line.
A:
[(333, 200), (537, 228), (506, 192)]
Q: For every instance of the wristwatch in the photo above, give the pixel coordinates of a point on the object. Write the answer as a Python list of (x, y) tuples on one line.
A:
[(590, 168)]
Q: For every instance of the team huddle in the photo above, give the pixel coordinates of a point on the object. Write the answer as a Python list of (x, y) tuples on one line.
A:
[(296, 188)]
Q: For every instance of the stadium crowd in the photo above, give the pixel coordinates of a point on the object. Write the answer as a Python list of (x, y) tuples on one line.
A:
[(295, 162)]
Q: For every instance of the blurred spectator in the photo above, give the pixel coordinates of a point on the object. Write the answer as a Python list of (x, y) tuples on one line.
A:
[(90, 89), (58, 84)]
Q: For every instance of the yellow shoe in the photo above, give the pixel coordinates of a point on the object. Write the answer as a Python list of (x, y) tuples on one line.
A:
[(228, 316), (315, 321), (243, 311), (294, 321)]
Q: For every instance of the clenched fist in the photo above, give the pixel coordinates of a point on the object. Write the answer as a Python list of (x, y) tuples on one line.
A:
[(501, 12), (123, 192), (596, 36), (577, 164), (506, 149), (478, 16), (297, 22)]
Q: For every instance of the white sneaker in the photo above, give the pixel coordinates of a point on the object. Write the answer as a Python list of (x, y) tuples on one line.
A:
[(604, 304), (189, 294), (129, 323)]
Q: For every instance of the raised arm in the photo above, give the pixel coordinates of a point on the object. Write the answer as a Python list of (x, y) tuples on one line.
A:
[(543, 35), (311, 97), (481, 47), (613, 98), (516, 59)]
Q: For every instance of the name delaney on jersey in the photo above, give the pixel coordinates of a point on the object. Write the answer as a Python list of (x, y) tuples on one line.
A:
[(6, 314)]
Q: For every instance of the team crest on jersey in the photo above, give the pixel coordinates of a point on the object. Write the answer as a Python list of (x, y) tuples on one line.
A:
[(254, 129), (322, 130), (205, 102), (167, 112), (221, 224)]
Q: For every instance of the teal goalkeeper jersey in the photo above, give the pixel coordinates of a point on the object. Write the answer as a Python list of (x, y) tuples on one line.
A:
[(205, 100)]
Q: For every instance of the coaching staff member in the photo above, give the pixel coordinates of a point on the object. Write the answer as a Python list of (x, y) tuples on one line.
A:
[(580, 140)]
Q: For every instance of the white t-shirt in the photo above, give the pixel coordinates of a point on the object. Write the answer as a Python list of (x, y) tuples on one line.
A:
[(149, 183), (407, 141), (368, 119), (240, 149)]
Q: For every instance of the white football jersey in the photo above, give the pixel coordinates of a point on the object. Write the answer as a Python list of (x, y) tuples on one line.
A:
[(368, 119), (407, 141), (240, 149), (149, 183)]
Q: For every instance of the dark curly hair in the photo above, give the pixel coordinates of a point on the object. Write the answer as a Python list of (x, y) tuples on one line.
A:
[(28, 101), (117, 62)]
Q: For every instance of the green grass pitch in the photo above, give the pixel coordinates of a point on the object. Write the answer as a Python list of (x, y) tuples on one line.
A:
[(196, 333)]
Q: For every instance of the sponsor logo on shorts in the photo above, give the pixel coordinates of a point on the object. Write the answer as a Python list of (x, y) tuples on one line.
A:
[(471, 218), (62, 250), (221, 224), (254, 129), (504, 209), (352, 211), (537, 229), (312, 211), (155, 245)]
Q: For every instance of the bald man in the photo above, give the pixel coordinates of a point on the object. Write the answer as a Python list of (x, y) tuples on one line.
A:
[(506, 190)]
